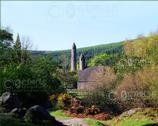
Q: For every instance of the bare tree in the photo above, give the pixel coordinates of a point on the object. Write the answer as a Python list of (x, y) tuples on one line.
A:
[(26, 43)]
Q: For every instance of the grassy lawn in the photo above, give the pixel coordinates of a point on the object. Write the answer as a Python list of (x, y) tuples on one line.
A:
[(59, 114), (138, 119), (142, 118), (130, 121), (93, 122)]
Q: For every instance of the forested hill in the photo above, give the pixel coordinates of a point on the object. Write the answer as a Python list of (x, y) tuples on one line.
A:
[(89, 52)]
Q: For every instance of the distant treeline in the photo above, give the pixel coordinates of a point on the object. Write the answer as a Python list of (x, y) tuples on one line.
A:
[(64, 56)]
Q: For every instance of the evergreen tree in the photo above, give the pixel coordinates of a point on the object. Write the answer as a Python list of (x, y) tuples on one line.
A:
[(18, 43), (17, 48)]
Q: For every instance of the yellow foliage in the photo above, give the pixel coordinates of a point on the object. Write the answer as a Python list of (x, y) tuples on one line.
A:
[(52, 97), (140, 88), (149, 79), (64, 101), (144, 47)]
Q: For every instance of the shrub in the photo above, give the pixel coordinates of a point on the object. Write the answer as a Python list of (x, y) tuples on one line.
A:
[(144, 47), (60, 101), (125, 93), (149, 82), (101, 59), (8, 120), (102, 98), (76, 106), (28, 117), (77, 109), (92, 110), (53, 101), (139, 89), (63, 101), (80, 109)]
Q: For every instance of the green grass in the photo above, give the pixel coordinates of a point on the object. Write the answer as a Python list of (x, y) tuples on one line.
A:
[(93, 122), (59, 114), (129, 121), (123, 122), (140, 118), (77, 93)]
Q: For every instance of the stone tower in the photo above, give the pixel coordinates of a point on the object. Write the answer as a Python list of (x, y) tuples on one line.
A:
[(82, 62), (73, 57)]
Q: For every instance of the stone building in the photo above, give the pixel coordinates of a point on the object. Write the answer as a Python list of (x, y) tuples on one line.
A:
[(90, 78)]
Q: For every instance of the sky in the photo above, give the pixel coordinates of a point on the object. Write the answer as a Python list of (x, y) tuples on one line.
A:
[(55, 25)]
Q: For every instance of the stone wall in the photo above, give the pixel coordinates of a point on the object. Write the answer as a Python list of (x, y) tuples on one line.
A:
[(94, 77)]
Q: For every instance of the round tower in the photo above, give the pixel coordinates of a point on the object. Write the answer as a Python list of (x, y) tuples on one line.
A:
[(73, 57), (82, 62)]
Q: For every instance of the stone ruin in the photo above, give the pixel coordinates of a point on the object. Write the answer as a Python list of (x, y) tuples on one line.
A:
[(73, 58), (90, 78), (95, 77)]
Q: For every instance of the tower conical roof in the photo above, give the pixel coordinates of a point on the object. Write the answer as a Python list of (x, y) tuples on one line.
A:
[(74, 45), (81, 55)]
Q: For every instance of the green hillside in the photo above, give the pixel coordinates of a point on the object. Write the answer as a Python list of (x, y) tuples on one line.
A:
[(89, 52)]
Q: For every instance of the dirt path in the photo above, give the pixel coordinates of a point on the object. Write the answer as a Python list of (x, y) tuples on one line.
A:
[(74, 122)]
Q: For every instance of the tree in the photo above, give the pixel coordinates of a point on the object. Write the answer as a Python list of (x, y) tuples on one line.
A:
[(17, 43), (144, 47), (47, 69), (5, 35), (17, 49), (6, 40), (25, 46), (69, 79), (99, 60)]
